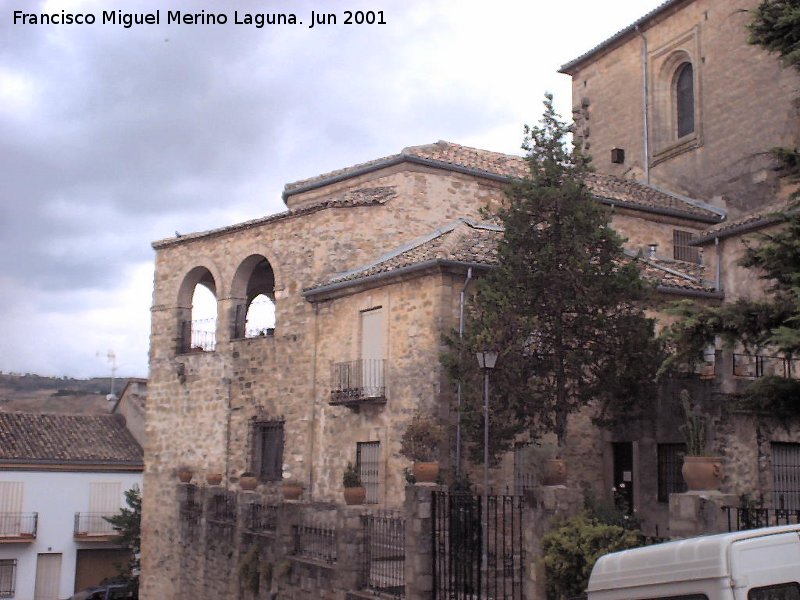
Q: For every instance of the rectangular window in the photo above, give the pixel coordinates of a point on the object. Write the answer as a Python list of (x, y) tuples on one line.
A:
[(681, 250), (670, 478), (782, 591), (268, 450), (8, 577), (786, 475), (368, 458)]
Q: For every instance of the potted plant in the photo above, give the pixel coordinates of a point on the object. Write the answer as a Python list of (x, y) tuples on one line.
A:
[(213, 477), (420, 443), (292, 489), (185, 474), (248, 481), (354, 491), (700, 471)]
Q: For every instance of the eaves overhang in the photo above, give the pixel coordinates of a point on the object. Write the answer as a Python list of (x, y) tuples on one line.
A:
[(736, 230), (656, 210), (338, 287), (71, 466), (570, 67), (678, 291), (391, 162)]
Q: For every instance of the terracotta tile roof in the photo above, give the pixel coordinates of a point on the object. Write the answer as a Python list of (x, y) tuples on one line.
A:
[(367, 196), (760, 217), (675, 275), (606, 188), (65, 439), (462, 241), (467, 242)]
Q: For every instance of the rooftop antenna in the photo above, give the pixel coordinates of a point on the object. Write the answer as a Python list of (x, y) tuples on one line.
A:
[(112, 360)]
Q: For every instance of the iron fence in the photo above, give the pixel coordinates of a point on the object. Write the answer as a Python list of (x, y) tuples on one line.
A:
[(742, 518), (199, 335), (460, 522), (222, 509), (21, 525), (758, 365), (262, 518), (89, 524), (383, 568), (358, 381), (316, 542)]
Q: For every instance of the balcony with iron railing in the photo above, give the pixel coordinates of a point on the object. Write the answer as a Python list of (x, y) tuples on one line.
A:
[(358, 382), (94, 527), (18, 527), (759, 365), (199, 335)]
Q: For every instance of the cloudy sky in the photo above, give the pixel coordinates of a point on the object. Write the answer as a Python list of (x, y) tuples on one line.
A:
[(112, 137)]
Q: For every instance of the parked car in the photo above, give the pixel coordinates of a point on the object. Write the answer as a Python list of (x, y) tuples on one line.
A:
[(758, 564)]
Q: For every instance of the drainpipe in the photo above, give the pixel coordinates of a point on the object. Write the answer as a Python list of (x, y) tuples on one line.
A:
[(646, 107), (718, 284), (458, 391)]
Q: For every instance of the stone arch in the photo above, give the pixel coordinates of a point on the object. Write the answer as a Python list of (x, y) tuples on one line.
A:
[(676, 101), (196, 334), (253, 296)]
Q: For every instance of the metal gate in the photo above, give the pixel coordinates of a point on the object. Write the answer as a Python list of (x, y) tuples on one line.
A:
[(460, 522)]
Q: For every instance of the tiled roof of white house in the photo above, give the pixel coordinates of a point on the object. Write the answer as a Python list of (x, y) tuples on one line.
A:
[(56, 439)]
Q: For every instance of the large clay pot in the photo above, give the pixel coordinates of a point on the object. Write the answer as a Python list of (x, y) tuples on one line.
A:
[(355, 495), (291, 491), (213, 478), (425, 472), (248, 482), (702, 473), (555, 472), (185, 475)]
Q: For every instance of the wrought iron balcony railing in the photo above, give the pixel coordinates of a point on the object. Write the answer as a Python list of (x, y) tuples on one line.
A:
[(18, 527), (358, 381), (758, 365), (94, 525)]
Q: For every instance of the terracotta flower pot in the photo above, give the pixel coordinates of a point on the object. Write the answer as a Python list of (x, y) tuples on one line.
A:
[(248, 482), (702, 473), (213, 478), (355, 495), (555, 472), (291, 491), (425, 472), (185, 475)]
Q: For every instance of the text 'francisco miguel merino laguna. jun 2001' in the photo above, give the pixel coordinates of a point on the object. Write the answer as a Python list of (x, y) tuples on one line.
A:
[(178, 17)]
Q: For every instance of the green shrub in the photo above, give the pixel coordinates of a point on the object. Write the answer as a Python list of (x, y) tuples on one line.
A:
[(572, 547)]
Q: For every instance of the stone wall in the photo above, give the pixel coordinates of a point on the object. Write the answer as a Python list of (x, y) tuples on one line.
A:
[(729, 160)]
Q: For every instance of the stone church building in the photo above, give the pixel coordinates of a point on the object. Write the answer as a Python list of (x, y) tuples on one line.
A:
[(366, 266)]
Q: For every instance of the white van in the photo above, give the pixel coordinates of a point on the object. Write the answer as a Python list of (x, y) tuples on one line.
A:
[(759, 564)]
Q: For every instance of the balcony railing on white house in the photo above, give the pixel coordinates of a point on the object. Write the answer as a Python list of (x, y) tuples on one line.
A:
[(358, 381), (94, 525), (18, 527)]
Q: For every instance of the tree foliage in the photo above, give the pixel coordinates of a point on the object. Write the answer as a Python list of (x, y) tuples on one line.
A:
[(571, 548), (772, 322), (562, 307), (128, 525), (776, 26)]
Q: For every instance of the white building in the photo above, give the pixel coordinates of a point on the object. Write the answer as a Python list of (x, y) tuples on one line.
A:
[(59, 476)]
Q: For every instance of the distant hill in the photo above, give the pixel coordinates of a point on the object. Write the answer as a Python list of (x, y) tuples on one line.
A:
[(34, 393)]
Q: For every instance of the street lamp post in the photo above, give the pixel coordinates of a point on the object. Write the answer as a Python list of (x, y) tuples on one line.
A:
[(486, 361)]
